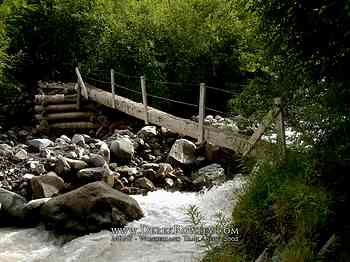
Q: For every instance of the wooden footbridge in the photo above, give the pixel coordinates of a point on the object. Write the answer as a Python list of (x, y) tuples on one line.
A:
[(223, 137)]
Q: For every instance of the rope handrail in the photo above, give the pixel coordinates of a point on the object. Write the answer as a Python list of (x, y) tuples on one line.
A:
[(171, 100)]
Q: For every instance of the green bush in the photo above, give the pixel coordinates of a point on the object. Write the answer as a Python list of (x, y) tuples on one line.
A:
[(285, 202)]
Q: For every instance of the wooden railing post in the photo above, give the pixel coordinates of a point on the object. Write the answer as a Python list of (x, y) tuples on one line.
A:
[(77, 87), (144, 98), (280, 129), (201, 113), (82, 84), (113, 87)]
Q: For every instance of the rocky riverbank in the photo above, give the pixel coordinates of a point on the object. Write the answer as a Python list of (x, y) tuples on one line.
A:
[(81, 184)]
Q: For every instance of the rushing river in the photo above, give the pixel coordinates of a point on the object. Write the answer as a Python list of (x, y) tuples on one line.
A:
[(162, 209)]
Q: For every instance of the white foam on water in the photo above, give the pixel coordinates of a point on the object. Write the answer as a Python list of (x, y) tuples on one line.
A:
[(161, 208)]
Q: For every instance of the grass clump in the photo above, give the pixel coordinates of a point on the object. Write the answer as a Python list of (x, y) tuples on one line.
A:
[(281, 209)]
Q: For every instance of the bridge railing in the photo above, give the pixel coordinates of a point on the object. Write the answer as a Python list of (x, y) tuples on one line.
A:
[(224, 137)]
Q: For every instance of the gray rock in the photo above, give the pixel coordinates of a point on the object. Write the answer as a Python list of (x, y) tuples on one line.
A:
[(12, 208), (183, 152), (165, 170), (66, 139), (96, 160), (169, 183), (104, 151), (62, 166), (210, 175), (122, 148), (134, 191), (145, 183), (32, 210), (39, 143), (76, 164), (78, 140), (90, 208), (93, 174), (152, 166), (21, 155), (147, 132), (28, 177), (46, 186), (151, 175), (36, 167)]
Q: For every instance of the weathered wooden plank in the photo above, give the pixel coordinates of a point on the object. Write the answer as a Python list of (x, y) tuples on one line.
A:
[(84, 91), (67, 115), (144, 98), (55, 99), (267, 121), (73, 125), (222, 137), (56, 108), (201, 112)]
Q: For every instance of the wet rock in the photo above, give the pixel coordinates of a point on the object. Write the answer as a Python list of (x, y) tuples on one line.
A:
[(151, 175), (78, 140), (39, 143), (134, 191), (207, 176), (169, 183), (183, 152), (90, 208), (122, 148), (46, 186), (145, 183), (11, 211), (96, 160), (92, 174)]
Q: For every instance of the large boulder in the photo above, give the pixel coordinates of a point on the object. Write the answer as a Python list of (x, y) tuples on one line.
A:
[(122, 148), (11, 208), (46, 186), (90, 208), (183, 152)]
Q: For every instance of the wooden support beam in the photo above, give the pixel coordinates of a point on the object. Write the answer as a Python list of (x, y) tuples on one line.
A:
[(113, 86), (144, 98), (60, 116), (266, 122), (55, 99), (280, 130), (82, 84), (201, 113)]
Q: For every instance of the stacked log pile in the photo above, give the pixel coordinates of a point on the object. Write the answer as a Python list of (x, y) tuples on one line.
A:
[(58, 107)]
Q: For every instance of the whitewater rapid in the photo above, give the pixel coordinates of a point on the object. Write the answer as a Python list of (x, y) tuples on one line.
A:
[(161, 208)]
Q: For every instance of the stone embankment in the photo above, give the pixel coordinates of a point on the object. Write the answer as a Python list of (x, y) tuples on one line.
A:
[(81, 184)]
